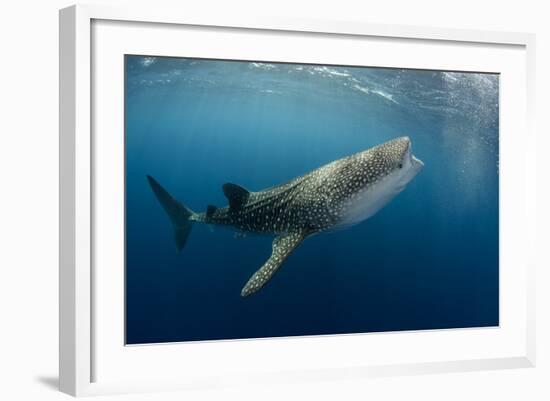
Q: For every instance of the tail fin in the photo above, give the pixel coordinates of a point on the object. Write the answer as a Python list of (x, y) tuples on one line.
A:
[(178, 213)]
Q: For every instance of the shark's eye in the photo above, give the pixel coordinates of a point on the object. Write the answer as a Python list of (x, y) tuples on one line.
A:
[(400, 165)]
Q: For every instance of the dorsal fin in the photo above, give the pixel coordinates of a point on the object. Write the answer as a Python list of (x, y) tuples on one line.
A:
[(236, 195), (210, 211)]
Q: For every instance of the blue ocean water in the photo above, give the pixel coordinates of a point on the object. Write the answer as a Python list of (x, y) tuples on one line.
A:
[(428, 260)]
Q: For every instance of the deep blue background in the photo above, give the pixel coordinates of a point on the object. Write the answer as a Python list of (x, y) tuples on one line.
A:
[(428, 260)]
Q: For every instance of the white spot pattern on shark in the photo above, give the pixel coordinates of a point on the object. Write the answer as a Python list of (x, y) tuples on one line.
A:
[(336, 195)]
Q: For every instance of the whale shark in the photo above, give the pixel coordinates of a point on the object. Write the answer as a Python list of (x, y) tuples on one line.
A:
[(337, 195)]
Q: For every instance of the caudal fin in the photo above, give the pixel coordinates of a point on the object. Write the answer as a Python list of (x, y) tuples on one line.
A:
[(179, 214)]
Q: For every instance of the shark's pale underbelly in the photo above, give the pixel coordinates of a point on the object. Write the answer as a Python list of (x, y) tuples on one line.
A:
[(367, 203)]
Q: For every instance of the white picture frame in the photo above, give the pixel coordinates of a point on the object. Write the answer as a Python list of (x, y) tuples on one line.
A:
[(78, 167)]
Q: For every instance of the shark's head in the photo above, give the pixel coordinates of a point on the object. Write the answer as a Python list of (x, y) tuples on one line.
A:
[(374, 177), (395, 162)]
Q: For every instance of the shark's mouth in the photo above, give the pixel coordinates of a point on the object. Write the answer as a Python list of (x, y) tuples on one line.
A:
[(416, 161)]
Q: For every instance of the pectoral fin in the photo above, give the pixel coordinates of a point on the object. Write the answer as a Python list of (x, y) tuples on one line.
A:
[(283, 246)]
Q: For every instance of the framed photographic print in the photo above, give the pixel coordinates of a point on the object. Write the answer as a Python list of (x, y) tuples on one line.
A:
[(278, 200)]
